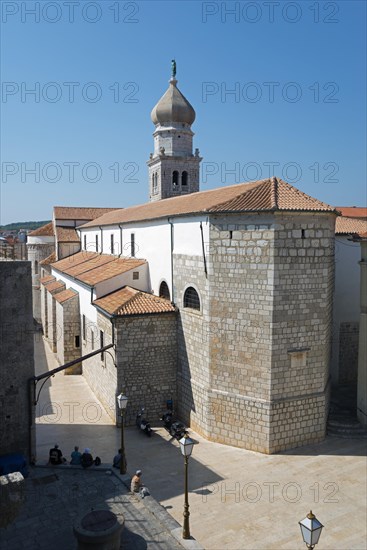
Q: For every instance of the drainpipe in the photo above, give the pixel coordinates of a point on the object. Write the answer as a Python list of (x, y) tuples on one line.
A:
[(171, 224), (101, 239), (120, 240), (203, 247)]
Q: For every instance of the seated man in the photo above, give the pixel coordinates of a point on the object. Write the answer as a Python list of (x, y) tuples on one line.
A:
[(117, 460), (76, 457), (55, 456), (87, 459), (136, 483)]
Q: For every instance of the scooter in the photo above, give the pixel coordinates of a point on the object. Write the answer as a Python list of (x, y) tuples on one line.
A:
[(142, 423), (176, 429)]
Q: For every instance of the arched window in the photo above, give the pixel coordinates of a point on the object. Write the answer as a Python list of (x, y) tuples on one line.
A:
[(175, 178), (191, 298), (185, 178), (164, 291)]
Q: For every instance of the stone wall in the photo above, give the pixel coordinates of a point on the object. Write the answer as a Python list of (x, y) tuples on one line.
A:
[(37, 253), (101, 374), (16, 357), (348, 352), (44, 307), (241, 313), (268, 319), (146, 350), (68, 323), (193, 335), (302, 320), (53, 329)]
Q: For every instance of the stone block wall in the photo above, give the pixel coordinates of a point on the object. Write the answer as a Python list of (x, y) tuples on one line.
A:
[(36, 253), (269, 320), (68, 322), (348, 352), (44, 307), (146, 352), (302, 321), (53, 329), (16, 358), (193, 335), (101, 374), (241, 310)]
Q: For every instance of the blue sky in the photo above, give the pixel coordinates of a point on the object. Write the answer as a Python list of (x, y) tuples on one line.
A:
[(297, 108)]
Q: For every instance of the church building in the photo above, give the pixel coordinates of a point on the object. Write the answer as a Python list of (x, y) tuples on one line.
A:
[(219, 299)]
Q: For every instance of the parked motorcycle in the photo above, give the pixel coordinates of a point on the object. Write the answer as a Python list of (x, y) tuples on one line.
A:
[(175, 428), (142, 423)]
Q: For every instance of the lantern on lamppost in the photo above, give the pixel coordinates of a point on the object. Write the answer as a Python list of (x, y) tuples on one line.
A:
[(122, 404), (311, 530), (186, 445)]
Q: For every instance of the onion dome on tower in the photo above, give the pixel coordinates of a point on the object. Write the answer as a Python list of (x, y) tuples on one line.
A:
[(173, 167)]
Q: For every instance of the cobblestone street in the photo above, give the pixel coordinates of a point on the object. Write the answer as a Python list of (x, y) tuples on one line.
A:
[(55, 497)]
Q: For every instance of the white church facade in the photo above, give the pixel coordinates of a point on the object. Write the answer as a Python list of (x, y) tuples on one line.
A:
[(219, 299)]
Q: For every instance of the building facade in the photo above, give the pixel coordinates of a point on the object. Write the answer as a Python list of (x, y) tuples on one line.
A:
[(221, 300)]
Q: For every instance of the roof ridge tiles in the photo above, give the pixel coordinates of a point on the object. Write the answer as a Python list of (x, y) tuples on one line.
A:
[(130, 300)]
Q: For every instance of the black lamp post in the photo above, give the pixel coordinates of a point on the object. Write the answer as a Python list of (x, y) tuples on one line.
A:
[(122, 403), (311, 530), (186, 445)]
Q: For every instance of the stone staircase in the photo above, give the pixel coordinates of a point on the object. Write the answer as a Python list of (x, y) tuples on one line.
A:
[(342, 420)]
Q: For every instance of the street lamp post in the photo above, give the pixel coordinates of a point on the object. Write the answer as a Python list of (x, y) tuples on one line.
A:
[(122, 403), (311, 530), (186, 445)]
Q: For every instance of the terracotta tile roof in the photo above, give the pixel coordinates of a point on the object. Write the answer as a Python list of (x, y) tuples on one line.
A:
[(76, 259), (67, 235), (49, 260), (47, 279), (353, 211), (350, 226), (55, 286), (264, 195), (129, 301), (65, 295), (91, 268), (43, 231), (79, 212)]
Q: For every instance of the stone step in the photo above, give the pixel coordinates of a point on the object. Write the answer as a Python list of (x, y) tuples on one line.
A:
[(345, 426), (347, 435)]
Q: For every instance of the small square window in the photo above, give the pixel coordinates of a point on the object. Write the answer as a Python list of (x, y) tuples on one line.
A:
[(135, 275)]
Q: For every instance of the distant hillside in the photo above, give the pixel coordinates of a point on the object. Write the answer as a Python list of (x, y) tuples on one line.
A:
[(23, 225)]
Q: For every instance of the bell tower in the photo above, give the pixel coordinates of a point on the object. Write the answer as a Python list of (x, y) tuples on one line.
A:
[(173, 167)]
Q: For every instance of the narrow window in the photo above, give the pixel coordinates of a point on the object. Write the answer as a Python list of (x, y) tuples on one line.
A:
[(36, 267), (191, 298), (96, 243), (135, 275), (112, 245), (92, 338), (132, 245), (77, 341), (185, 177), (85, 242), (164, 291), (83, 327), (101, 340), (175, 178)]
